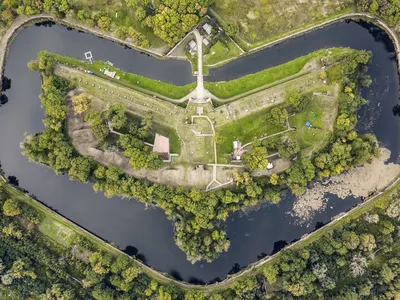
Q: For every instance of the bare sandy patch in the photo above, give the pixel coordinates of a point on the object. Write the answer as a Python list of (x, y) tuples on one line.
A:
[(358, 182)]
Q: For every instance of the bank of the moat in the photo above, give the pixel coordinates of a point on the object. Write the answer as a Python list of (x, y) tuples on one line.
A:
[(127, 223)]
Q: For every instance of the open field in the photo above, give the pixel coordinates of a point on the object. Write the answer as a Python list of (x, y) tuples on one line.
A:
[(131, 80), (261, 21)]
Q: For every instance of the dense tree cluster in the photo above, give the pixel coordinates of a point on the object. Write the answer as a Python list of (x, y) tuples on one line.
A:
[(174, 18), (346, 149), (169, 19), (358, 261), (131, 135), (32, 266), (256, 159), (387, 9)]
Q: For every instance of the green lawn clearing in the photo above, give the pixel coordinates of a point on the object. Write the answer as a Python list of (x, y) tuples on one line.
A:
[(321, 112), (221, 51), (245, 130), (57, 231)]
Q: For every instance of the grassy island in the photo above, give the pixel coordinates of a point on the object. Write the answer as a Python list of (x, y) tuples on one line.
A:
[(106, 141)]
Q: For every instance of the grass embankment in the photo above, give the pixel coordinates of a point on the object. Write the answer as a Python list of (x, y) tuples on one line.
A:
[(227, 89), (221, 51), (289, 70), (129, 79)]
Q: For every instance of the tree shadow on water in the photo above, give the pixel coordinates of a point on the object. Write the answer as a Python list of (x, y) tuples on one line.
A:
[(194, 280), (176, 275), (319, 225), (235, 268), (278, 246), (131, 251), (396, 110), (215, 280), (13, 180), (5, 84), (3, 100), (142, 258)]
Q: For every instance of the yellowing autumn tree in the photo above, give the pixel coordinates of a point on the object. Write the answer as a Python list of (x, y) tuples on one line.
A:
[(81, 103)]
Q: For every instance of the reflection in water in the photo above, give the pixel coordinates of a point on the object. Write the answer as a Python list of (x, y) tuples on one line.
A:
[(396, 110), (235, 268)]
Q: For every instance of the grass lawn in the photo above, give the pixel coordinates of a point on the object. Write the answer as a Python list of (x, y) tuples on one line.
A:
[(220, 51), (129, 79), (321, 113), (227, 89), (57, 231), (245, 130)]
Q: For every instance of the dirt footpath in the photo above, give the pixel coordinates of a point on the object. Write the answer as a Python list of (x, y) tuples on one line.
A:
[(86, 144)]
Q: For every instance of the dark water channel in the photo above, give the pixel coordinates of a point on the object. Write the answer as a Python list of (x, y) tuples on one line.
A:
[(128, 223)]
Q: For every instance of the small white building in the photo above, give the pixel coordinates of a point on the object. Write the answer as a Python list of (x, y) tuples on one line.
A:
[(270, 166), (208, 28), (193, 45), (236, 145), (109, 73), (206, 42)]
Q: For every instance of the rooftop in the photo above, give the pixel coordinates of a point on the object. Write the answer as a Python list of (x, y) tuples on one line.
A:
[(161, 144), (207, 27)]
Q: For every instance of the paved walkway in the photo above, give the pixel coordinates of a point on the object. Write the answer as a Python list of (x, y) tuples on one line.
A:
[(200, 79)]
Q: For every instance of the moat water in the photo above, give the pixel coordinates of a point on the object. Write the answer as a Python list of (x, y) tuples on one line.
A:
[(148, 233)]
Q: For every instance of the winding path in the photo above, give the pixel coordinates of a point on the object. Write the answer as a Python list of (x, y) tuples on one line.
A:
[(20, 22)]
